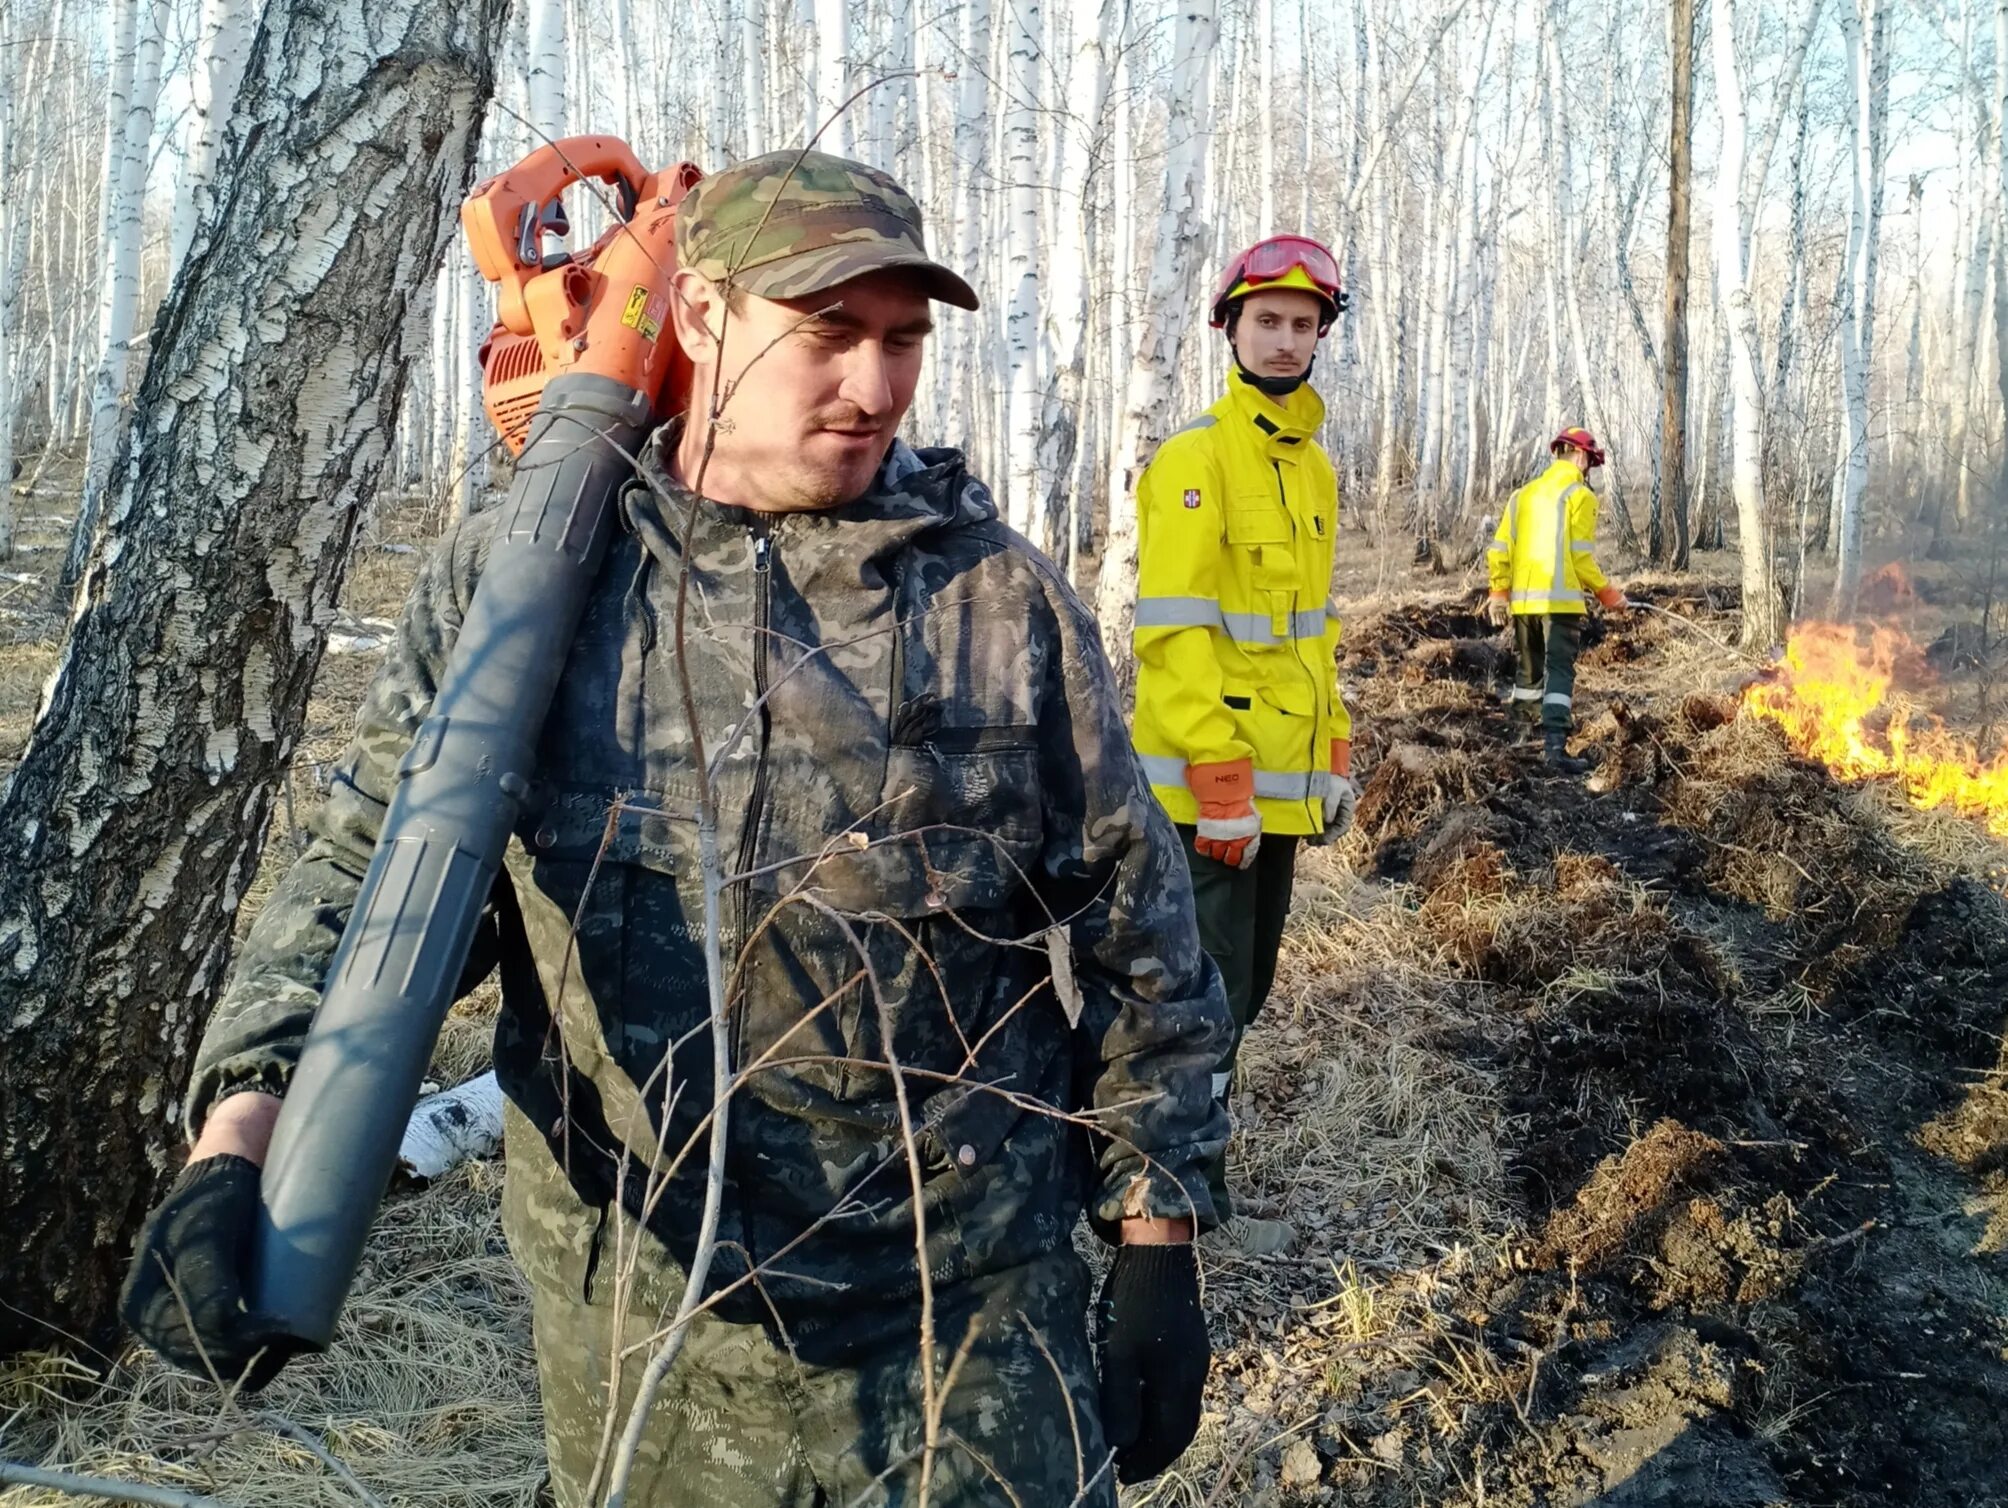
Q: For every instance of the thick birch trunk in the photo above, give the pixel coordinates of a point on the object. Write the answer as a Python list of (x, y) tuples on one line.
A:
[(133, 823), (1168, 306)]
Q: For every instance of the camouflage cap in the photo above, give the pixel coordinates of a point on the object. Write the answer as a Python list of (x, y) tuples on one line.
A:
[(794, 223)]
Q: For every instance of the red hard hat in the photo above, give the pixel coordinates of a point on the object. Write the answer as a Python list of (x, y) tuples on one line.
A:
[(1272, 261), (1582, 439)]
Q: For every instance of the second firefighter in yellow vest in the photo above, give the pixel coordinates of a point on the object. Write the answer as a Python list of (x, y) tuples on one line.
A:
[(1543, 571)]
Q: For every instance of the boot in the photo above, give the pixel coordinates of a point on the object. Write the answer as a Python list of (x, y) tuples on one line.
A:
[(1559, 757)]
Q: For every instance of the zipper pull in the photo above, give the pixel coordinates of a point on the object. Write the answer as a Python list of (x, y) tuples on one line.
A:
[(762, 548)]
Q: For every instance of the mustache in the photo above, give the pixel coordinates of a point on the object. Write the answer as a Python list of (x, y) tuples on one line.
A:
[(844, 416)]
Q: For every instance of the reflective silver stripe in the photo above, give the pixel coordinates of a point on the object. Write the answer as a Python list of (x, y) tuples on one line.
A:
[(1256, 628), (1580, 545), (1558, 699), (1273, 785), (1526, 693), (1177, 612), (1277, 786), (1204, 421), (1220, 1083), (1566, 594)]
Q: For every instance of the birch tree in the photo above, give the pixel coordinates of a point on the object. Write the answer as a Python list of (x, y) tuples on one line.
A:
[(1864, 26), (132, 826), (1182, 235), (1671, 493), (1068, 314), (1760, 598), (1022, 329), (137, 28), (225, 45), (545, 82)]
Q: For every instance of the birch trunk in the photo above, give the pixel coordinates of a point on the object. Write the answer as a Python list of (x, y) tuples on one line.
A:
[(13, 234), (1732, 214), (1864, 26), (2001, 226), (971, 152), (1067, 309), (132, 826), (545, 82), (140, 26), (226, 44), (833, 47), (1023, 252), (1168, 305), (1673, 347)]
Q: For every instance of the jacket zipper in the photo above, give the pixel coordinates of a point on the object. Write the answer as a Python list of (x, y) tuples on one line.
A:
[(1311, 756), (749, 832)]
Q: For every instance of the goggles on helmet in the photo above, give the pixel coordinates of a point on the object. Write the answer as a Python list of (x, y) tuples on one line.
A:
[(1271, 263)]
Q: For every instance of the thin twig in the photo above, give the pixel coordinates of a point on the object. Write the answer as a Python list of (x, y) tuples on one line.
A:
[(320, 1452), (73, 1484)]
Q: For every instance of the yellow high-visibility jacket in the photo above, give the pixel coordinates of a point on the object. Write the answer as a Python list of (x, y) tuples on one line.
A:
[(1236, 637), (1541, 551)]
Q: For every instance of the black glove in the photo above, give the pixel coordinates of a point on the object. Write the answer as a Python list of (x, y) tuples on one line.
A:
[(1154, 1357), (201, 1236)]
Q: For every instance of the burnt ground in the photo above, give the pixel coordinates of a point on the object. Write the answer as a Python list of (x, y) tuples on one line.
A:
[(1749, 1044)]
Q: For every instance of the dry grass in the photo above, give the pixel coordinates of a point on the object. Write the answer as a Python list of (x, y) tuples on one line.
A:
[(428, 1397)]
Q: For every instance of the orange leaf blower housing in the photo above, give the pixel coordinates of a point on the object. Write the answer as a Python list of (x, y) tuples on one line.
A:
[(603, 311)]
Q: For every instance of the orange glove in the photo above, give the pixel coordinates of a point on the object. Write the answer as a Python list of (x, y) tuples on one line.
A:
[(1230, 830), (1613, 599)]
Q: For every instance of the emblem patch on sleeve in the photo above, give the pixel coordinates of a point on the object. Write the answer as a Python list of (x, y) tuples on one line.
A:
[(1192, 497)]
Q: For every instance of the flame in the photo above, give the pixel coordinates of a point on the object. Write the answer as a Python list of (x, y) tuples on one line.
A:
[(1824, 694)]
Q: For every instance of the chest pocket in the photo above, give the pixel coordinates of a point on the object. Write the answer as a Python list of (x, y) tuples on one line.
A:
[(1265, 557)]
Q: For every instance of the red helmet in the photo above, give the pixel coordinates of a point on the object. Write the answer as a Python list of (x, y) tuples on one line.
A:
[(1283, 261), (1582, 440)]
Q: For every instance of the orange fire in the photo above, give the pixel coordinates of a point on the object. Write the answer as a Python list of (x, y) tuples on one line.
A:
[(1829, 688)]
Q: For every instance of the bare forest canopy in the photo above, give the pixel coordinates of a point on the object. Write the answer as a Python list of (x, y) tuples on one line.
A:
[(1495, 174)]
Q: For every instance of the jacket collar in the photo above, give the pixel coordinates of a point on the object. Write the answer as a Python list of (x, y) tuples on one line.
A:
[(914, 492), (1291, 420)]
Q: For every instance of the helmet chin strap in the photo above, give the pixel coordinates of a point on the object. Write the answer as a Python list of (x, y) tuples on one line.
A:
[(1275, 387)]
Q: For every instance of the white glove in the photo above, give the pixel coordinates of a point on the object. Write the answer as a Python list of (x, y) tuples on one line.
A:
[(1341, 796)]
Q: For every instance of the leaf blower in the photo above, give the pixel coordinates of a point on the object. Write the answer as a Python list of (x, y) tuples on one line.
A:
[(579, 368)]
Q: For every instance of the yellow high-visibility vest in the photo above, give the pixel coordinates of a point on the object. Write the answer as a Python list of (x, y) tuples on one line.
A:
[(1541, 551), (1235, 634)]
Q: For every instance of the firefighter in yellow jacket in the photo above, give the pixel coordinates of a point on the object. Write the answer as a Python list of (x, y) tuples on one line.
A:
[(1239, 722), (1543, 573)]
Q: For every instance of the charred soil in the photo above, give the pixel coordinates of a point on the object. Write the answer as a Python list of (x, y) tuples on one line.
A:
[(1748, 1042)]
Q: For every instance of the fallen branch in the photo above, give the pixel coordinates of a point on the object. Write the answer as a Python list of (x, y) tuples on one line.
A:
[(74, 1485)]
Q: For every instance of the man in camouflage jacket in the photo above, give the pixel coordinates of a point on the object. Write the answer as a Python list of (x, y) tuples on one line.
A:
[(927, 809)]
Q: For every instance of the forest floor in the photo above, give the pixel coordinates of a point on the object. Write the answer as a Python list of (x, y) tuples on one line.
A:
[(1648, 1132)]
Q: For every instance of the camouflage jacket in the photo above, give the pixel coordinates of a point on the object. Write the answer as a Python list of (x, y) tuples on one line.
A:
[(920, 770)]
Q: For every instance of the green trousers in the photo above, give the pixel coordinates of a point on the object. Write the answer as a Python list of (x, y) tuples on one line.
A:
[(1548, 644), (828, 1416), (1241, 915)]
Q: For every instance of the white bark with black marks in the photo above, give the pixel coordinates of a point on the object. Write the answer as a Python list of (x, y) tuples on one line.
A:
[(132, 826)]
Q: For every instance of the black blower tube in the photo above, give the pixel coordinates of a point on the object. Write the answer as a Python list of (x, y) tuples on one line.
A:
[(459, 792)]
